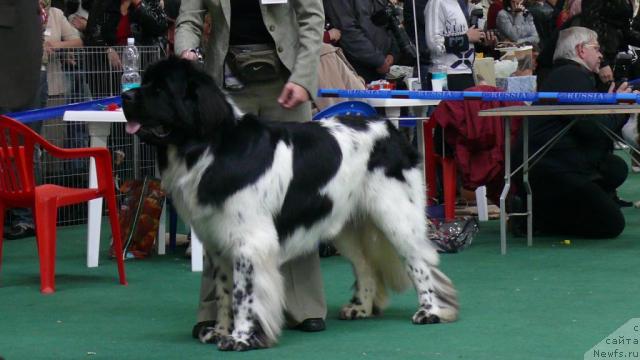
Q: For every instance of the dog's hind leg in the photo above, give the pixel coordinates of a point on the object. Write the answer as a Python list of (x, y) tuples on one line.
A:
[(397, 208), (348, 243), (257, 296)]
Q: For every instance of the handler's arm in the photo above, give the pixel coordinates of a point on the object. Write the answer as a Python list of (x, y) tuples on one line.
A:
[(189, 25), (310, 15)]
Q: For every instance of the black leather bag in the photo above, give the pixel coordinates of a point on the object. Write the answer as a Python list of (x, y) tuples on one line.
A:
[(254, 62)]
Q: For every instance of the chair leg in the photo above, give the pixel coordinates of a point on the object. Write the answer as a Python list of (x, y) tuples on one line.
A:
[(2, 215), (449, 175), (173, 227), (116, 234), (46, 212), (430, 166)]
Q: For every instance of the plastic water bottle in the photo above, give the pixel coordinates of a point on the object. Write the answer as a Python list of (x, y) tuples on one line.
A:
[(130, 66), (439, 77)]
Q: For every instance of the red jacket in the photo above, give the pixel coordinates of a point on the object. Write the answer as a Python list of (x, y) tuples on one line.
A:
[(477, 142)]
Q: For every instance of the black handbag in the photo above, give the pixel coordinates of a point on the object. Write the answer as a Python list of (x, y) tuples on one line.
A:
[(254, 62)]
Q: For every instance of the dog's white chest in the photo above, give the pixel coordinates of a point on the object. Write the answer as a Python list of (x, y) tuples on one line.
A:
[(182, 183)]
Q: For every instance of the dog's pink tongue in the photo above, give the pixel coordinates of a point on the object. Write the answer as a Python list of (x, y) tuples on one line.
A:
[(133, 127)]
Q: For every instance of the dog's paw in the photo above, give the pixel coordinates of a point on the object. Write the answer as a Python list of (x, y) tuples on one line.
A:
[(254, 341), (422, 316), (354, 312), (212, 334), (226, 343)]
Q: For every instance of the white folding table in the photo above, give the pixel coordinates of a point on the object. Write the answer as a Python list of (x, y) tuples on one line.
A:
[(99, 126)]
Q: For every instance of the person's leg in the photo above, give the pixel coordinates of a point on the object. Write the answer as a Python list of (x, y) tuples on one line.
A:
[(614, 172), (304, 290), (570, 204), (21, 224)]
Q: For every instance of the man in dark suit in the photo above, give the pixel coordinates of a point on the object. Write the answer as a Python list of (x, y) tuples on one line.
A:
[(21, 39)]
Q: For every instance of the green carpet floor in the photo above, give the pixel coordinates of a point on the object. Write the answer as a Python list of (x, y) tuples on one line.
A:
[(551, 301)]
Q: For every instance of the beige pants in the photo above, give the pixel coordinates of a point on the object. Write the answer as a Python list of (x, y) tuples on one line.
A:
[(304, 293)]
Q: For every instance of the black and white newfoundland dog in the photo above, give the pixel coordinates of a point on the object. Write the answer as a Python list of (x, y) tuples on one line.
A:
[(259, 193)]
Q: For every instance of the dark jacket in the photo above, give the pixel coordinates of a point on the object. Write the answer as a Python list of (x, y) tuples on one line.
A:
[(148, 23), (543, 19), (365, 44), (21, 39), (407, 15), (611, 19), (582, 149)]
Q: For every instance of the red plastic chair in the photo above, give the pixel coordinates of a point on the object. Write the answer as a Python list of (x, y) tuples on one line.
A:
[(448, 172), (18, 189)]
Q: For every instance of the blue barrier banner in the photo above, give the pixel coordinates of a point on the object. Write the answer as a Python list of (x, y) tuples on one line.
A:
[(58, 111), (547, 97)]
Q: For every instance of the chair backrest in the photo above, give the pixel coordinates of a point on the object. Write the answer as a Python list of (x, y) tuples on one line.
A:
[(17, 144), (354, 108)]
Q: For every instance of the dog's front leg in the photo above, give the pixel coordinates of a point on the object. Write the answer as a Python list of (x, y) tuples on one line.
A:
[(250, 305), (222, 277)]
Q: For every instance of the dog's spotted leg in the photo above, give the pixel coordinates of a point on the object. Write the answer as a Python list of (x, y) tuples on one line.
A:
[(247, 333), (222, 277), (436, 295), (406, 228)]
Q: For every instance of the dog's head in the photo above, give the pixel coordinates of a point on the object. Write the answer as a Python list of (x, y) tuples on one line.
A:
[(175, 103)]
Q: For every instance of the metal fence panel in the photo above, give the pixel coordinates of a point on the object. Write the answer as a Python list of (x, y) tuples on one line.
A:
[(83, 74)]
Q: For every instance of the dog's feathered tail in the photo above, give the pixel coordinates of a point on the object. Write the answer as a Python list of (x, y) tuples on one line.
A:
[(389, 268)]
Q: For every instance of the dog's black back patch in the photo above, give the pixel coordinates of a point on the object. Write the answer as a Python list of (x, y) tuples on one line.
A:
[(316, 159), (394, 154), (360, 123), (247, 152)]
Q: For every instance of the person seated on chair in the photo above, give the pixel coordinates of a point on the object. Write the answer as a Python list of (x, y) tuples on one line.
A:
[(574, 183)]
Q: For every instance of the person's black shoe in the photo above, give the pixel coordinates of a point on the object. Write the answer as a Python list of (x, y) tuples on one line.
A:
[(19, 231), (195, 332), (327, 250), (311, 325)]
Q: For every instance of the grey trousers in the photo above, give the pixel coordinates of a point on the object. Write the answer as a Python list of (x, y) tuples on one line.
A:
[(304, 292)]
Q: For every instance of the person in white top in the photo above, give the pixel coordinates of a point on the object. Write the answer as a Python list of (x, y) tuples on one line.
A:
[(451, 41)]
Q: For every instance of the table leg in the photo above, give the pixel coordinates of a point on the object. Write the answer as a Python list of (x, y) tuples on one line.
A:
[(507, 185), (161, 236), (196, 252), (98, 133), (393, 112), (525, 179)]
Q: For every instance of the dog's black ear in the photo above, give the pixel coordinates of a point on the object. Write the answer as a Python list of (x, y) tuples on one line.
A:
[(214, 110)]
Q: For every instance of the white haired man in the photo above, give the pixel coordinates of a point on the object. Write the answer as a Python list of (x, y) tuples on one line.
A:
[(575, 182)]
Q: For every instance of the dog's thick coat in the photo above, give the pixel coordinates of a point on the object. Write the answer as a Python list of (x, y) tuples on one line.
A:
[(259, 193)]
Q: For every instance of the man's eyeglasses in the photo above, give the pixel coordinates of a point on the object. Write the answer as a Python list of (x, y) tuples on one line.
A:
[(596, 47)]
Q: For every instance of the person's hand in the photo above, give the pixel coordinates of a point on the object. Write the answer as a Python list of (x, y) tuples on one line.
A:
[(384, 68), (474, 34), (48, 47), (189, 55), (517, 6), (490, 38), (79, 22), (114, 59), (623, 88), (605, 74), (292, 95), (334, 34)]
